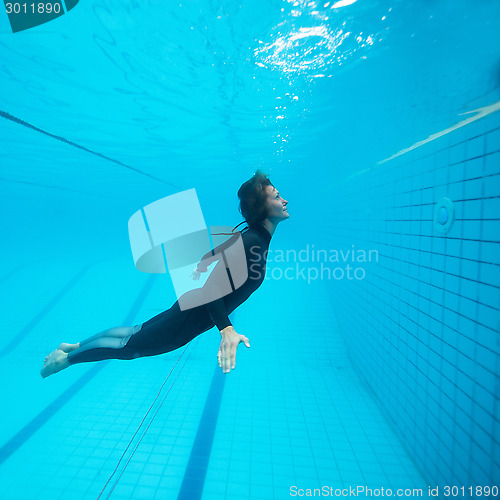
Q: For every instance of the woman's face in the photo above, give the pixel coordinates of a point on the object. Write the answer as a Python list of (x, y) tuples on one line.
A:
[(275, 204)]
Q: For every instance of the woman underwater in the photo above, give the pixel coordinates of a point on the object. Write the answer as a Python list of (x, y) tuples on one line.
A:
[(263, 209)]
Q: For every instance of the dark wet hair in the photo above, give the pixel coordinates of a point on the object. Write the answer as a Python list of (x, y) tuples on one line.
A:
[(252, 198)]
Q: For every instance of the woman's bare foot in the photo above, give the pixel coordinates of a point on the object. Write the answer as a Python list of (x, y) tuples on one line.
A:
[(69, 347), (55, 362), (65, 348)]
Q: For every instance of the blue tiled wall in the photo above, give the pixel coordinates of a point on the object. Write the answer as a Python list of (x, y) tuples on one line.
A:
[(422, 326)]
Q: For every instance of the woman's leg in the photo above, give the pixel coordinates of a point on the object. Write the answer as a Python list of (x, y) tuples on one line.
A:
[(111, 332), (165, 332), (108, 344), (117, 332)]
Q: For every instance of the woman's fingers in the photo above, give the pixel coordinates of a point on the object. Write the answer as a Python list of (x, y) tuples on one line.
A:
[(245, 340), (227, 352), (234, 346), (233, 355), (223, 357)]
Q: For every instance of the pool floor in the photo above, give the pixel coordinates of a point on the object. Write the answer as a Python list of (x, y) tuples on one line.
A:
[(292, 415)]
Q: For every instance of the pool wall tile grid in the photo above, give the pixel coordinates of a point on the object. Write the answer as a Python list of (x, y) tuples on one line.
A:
[(422, 327), (293, 412)]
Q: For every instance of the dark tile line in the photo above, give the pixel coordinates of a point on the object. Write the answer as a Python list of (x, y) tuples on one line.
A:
[(196, 470), (11, 346), (15, 119), (11, 272)]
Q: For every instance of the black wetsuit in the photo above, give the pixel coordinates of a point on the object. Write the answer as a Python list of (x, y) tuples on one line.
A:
[(174, 328)]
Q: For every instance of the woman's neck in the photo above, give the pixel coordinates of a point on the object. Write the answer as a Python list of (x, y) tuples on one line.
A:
[(270, 226)]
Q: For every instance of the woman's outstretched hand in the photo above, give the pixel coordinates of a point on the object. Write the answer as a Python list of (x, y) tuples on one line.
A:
[(227, 348)]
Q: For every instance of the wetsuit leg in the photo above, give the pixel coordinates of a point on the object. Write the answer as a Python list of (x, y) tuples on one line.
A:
[(107, 344), (165, 332)]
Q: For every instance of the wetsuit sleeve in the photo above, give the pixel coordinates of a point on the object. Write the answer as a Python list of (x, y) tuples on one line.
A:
[(216, 286), (218, 313), (210, 257)]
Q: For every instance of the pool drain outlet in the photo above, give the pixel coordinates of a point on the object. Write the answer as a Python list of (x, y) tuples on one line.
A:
[(444, 215)]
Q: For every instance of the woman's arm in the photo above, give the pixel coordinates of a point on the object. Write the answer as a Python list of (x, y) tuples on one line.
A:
[(213, 255), (218, 313), (229, 338)]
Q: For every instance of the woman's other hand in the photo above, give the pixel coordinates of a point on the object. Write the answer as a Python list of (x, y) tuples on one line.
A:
[(227, 348), (195, 275)]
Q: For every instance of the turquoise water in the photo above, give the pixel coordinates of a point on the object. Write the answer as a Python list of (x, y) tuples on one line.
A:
[(366, 115)]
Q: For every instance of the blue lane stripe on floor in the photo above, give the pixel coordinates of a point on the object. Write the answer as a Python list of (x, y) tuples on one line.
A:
[(38, 317), (196, 470), (12, 272), (47, 413)]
